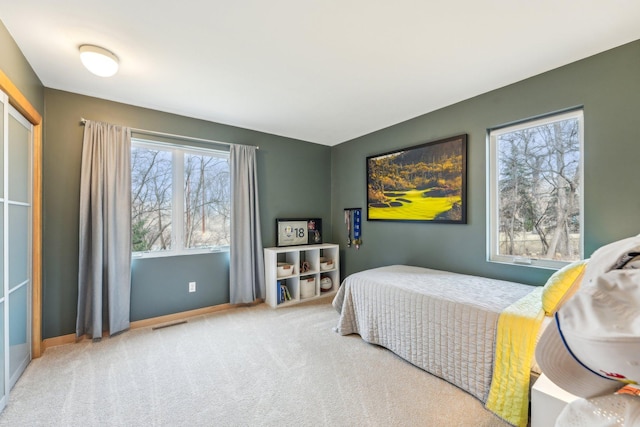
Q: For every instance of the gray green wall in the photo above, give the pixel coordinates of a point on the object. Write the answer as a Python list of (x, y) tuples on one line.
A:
[(607, 85), (309, 180), (15, 66), (294, 181)]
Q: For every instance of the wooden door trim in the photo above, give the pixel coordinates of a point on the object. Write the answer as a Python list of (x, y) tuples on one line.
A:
[(22, 104)]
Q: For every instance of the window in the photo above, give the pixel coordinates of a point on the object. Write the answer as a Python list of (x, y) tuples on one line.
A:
[(180, 199), (536, 191)]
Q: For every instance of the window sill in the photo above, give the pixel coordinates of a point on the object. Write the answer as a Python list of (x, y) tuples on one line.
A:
[(530, 262), (164, 254)]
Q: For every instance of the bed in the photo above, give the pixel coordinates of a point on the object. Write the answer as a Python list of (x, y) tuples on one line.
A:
[(474, 332)]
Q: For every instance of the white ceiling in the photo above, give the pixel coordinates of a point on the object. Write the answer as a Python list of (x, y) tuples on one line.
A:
[(323, 71)]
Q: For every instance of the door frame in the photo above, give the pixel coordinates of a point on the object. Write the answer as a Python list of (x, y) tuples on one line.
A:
[(20, 103)]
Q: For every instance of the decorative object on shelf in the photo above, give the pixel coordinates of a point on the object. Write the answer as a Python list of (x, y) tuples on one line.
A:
[(357, 226), (295, 232), (326, 284), (304, 267), (426, 182), (314, 232)]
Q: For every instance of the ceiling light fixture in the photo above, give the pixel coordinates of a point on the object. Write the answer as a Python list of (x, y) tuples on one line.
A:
[(99, 61)]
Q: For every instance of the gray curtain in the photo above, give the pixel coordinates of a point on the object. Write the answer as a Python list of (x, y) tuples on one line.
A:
[(104, 275), (246, 276)]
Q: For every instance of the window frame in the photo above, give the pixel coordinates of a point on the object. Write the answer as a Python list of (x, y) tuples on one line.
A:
[(178, 152), (492, 187)]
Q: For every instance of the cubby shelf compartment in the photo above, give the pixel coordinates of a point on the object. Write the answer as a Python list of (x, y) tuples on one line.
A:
[(297, 257)]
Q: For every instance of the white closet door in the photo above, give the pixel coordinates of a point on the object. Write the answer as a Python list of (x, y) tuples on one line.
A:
[(4, 368), (16, 163), (18, 241)]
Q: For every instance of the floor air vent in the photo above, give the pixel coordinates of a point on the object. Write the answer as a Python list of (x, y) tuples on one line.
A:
[(168, 325)]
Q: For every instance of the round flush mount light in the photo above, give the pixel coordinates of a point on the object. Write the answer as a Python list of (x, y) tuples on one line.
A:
[(99, 61)]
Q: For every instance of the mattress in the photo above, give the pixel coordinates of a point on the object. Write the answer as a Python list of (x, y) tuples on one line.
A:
[(442, 322)]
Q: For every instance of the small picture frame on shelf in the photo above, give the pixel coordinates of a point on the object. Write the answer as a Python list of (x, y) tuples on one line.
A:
[(297, 231)]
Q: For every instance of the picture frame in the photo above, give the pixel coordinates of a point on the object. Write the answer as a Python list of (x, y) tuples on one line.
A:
[(426, 182), (298, 231)]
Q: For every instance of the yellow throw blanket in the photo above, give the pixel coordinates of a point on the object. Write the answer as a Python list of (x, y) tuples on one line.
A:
[(516, 336)]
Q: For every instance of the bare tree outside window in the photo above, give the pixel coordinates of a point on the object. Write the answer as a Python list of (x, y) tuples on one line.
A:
[(180, 199), (207, 201), (151, 197), (539, 190)]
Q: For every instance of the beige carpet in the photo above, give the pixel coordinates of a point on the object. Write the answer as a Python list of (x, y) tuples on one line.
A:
[(242, 367)]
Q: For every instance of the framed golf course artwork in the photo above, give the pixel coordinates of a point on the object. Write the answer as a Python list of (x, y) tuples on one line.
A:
[(426, 182)]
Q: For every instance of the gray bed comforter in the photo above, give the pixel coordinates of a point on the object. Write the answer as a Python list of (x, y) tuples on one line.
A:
[(442, 322)]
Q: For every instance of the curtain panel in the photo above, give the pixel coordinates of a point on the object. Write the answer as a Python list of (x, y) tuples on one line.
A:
[(104, 276), (246, 270)]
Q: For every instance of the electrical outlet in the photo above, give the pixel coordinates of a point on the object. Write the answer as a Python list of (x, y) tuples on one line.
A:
[(192, 286)]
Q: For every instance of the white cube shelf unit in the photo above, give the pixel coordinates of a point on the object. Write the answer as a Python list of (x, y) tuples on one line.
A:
[(302, 285)]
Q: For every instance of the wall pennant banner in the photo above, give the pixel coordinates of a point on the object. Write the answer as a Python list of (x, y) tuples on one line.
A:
[(357, 232)]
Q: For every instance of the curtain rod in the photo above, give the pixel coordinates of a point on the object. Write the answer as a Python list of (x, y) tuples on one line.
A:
[(171, 135)]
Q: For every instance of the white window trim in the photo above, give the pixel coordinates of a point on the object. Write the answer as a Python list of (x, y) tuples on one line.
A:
[(492, 190), (177, 227)]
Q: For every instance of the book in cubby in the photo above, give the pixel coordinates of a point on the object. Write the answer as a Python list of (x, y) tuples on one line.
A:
[(283, 291)]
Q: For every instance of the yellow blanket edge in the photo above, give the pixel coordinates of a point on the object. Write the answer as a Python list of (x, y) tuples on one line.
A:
[(516, 335)]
